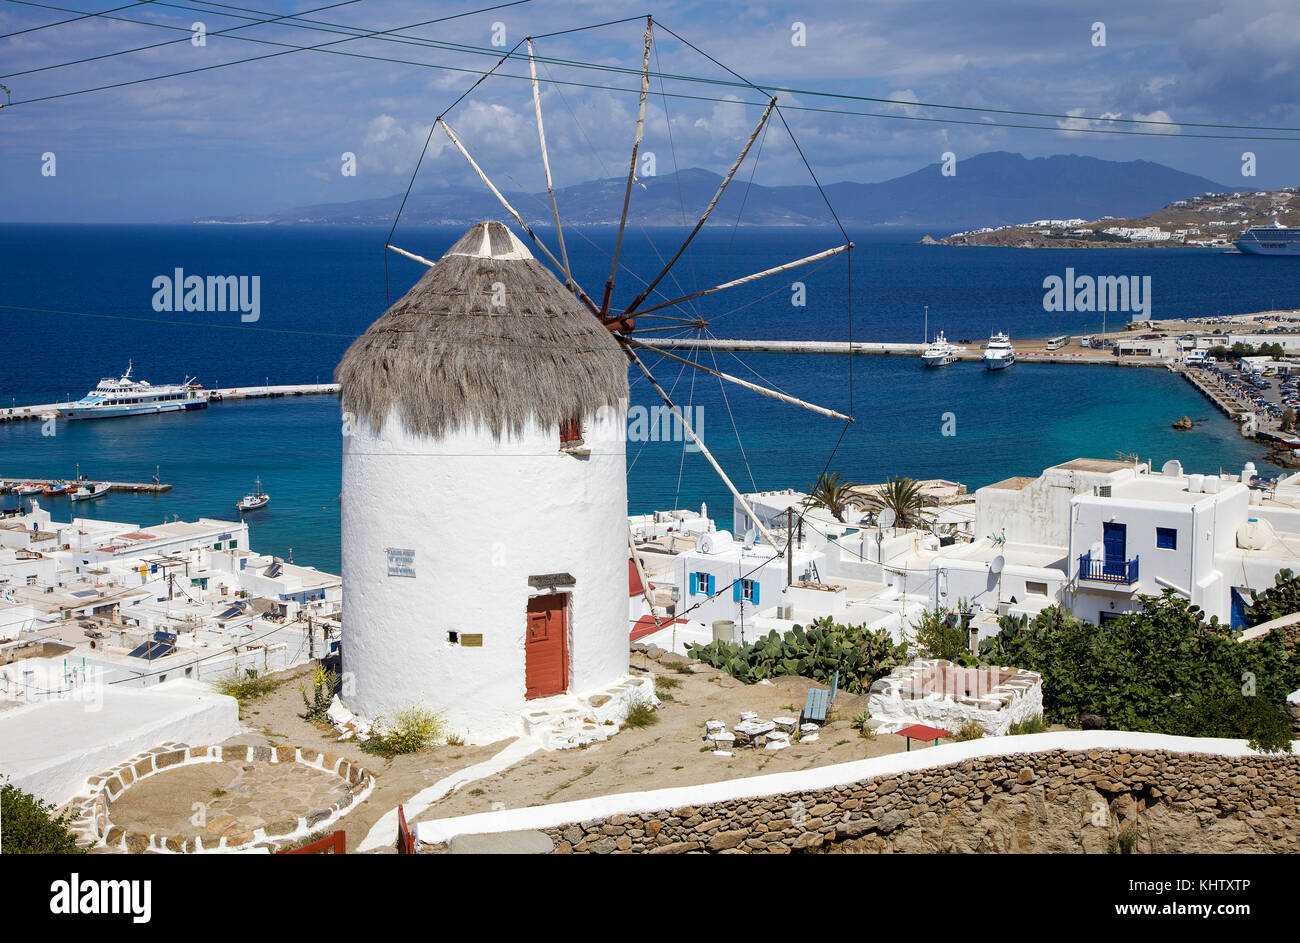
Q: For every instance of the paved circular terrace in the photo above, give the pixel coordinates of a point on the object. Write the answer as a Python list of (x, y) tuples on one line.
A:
[(186, 799)]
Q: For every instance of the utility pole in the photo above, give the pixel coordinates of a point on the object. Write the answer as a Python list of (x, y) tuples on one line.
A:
[(789, 535)]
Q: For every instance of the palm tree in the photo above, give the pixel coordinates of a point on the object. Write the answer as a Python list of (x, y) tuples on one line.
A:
[(830, 493), (903, 496)]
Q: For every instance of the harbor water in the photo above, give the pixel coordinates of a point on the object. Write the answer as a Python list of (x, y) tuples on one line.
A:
[(75, 305)]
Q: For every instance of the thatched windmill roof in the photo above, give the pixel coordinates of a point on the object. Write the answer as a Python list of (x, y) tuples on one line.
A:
[(446, 355)]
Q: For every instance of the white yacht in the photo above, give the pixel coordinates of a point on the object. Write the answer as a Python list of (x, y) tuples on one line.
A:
[(999, 354), (126, 397), (940, 353)]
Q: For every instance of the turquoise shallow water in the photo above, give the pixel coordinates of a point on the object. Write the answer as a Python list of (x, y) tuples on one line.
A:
[(321, 287)]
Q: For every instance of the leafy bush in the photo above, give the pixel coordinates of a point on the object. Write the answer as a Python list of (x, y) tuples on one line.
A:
[(862, 724), (324, 683), (408, 731), (30, 826), (1162, 669), (971, 730), (246, 685), (860, 656), (1034, 724), (942, 633), (1280, 599)]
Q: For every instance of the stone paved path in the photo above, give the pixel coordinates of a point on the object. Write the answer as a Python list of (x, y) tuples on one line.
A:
[(212, 798)]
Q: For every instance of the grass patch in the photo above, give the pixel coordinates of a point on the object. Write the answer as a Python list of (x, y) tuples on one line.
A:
[(971, 730), (408, 731), (1035, 724), (640, 714), (664, 685), (247, 685), (1125, 842)]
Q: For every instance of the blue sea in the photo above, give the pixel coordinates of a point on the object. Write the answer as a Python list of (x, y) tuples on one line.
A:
[(76, 304)]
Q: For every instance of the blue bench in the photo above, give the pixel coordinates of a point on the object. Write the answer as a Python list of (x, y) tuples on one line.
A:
[(819, 703)]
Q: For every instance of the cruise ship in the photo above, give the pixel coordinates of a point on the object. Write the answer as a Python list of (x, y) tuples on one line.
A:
[(124, 396), (940, 353), (1270, 240), (999, 354)]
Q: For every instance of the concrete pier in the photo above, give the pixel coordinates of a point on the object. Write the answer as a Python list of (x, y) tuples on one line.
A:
[(220, 394), (972, 352), (124, 487)]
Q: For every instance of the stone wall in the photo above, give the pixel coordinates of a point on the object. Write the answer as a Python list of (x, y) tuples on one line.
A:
[(1053, 801)]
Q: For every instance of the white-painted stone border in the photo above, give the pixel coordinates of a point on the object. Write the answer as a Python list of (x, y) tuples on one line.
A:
[(94, 821), (820, 778)]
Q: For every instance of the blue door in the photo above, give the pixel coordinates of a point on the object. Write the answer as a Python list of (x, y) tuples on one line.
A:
[(1113, 539)]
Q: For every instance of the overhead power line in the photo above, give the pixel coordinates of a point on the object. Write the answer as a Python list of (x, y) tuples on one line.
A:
[(397, 35)]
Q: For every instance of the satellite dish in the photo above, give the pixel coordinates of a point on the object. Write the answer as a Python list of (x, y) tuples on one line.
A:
[(998, 563), (887, 517)]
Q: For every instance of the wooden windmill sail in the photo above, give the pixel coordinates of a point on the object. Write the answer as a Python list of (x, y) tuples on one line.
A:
[(625, 323)]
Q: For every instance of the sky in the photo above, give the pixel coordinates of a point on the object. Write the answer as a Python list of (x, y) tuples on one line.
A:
[(261, 136)]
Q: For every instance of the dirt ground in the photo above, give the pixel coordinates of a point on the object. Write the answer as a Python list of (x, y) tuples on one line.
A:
[(672, 752), (276, 720)]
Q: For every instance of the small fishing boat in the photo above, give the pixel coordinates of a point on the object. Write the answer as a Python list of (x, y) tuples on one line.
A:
[(257, 499), (56, 488), (90, 491), (28, 487)]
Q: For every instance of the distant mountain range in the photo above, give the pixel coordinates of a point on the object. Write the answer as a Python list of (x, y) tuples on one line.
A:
[(994, 189)]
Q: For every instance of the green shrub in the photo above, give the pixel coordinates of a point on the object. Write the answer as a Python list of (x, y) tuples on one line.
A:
[(324, 683), (860, 656), (665, 684), (1280, 599), (408, 731), (1125, 842), (1161, 669), (971, 730), (1035, 724), (862, 724), (30, 826), (943, 633), (247, 684)]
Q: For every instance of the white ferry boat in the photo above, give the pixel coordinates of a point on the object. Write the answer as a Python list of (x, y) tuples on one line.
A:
[(999, 354), (126, 397), (940, 353)]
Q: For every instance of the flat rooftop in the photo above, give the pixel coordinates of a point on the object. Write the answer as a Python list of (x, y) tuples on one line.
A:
[(1094, 465)]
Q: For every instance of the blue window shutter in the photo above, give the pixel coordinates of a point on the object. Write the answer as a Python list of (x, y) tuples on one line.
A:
[(755, 585), (709, 583), (735, 591), (695, 583)]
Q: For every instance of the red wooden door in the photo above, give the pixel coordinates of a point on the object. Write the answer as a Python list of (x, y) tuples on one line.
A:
[(546, 648)]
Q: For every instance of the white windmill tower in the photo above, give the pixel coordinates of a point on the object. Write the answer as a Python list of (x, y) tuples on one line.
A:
[(484, 512), (484, 526)]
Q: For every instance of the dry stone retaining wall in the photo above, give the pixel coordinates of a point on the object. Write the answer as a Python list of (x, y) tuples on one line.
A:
[(92, 813), (1052, 801)]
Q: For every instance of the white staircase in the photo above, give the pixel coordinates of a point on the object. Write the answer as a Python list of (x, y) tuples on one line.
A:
[(568, 720)]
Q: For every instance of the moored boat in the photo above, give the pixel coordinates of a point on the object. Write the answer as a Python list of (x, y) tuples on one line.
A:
[(124, 396), (56, 488), (999, 354), (90, 490), (940, 353)]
